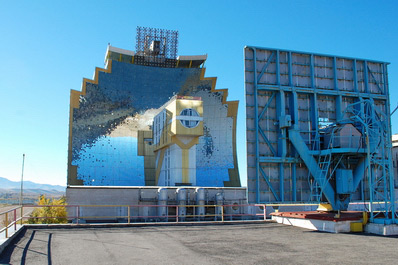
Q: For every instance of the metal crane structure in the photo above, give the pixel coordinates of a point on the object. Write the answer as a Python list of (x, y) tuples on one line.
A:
[(318, 130)]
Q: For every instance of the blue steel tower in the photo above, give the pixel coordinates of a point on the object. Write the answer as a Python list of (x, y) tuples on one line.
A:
[(318, 130)]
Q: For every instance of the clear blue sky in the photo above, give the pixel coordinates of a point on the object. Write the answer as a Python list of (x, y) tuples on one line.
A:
[(47, 47)]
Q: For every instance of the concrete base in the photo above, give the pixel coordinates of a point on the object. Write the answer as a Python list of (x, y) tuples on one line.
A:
[(319, 225), (382, 229)]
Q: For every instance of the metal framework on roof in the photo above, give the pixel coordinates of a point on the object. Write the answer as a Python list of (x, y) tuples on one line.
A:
[(166, 39), (318, 130)]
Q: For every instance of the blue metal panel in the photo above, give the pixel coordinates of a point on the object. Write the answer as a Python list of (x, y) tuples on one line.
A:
[(265, 66), (309, 53), (320, 91), (312, 71), (257, 174), (354, 69), (290, 70), (277, 71), (269, 184), (365, 75), (294, 182), (314, 117), (344, 181), (266, 106), (267, 141)]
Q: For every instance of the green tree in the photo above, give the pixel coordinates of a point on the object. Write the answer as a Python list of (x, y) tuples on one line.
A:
[(50, 213)]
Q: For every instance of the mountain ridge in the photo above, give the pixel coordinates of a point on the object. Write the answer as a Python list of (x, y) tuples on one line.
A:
[(9, 184)]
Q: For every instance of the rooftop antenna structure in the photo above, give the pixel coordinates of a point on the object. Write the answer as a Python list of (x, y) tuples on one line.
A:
[(156, 47)]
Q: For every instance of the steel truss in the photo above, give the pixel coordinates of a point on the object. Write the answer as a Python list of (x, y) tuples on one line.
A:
[(288, 95)]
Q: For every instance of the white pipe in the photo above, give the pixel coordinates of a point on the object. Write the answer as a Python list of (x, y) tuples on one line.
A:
[(162, 200), (200, 200), (181, 201)]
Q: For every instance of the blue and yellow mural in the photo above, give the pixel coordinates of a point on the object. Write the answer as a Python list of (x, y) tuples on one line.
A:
[(122, 99)]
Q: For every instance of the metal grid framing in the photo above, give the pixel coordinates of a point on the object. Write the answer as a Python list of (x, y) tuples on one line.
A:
[(318, 129), (168, 40)]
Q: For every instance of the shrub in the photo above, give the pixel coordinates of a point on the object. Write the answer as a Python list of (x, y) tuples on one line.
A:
[(48, 214)]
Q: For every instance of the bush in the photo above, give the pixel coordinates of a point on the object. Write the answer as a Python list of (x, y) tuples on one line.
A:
[(49, 215)]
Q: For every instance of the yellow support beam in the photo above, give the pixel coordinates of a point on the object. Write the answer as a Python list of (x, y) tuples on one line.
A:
[(364, 218), (185, 165)]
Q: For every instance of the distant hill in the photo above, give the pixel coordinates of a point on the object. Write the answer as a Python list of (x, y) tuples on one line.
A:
[(29, 185), (10, 191)]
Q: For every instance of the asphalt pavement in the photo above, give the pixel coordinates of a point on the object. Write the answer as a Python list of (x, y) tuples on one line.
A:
[(261, 243)]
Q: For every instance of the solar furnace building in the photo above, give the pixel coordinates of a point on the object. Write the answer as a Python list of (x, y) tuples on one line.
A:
[(150, 118), (318, 129), (175, 134)]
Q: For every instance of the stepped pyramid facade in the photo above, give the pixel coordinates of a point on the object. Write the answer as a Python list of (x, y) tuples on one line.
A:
[(111, 137)]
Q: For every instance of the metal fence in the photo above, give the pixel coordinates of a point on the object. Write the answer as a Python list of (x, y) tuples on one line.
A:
[(127, 214), (10, 218)]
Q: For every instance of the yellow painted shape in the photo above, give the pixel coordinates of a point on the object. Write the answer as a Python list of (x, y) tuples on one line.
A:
[(140, 143), (178, 142), (141, 136), (356, 227), (185, 155), (233, 173), (223, 91), (182, 130), (180, 104), (159, 165), (233, 109), (185, 165), (74, 104), (326, 207), (364, 218), (233, 105)]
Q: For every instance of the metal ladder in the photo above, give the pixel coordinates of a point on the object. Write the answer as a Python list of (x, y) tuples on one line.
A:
[(324, 162)]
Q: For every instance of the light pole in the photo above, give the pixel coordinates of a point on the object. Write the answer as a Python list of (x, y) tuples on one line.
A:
[(21, 194)]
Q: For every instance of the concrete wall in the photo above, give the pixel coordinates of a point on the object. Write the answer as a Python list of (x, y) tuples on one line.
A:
[(144, 197)]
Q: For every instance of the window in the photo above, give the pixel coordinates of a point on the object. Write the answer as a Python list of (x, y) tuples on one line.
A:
[(189, 118)]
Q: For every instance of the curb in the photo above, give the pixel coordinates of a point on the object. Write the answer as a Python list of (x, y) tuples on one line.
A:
[(107, 225), (11, 238)]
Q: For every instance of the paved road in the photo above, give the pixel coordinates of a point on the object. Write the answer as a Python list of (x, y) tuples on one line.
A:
[(264, 243), (3, 208)]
